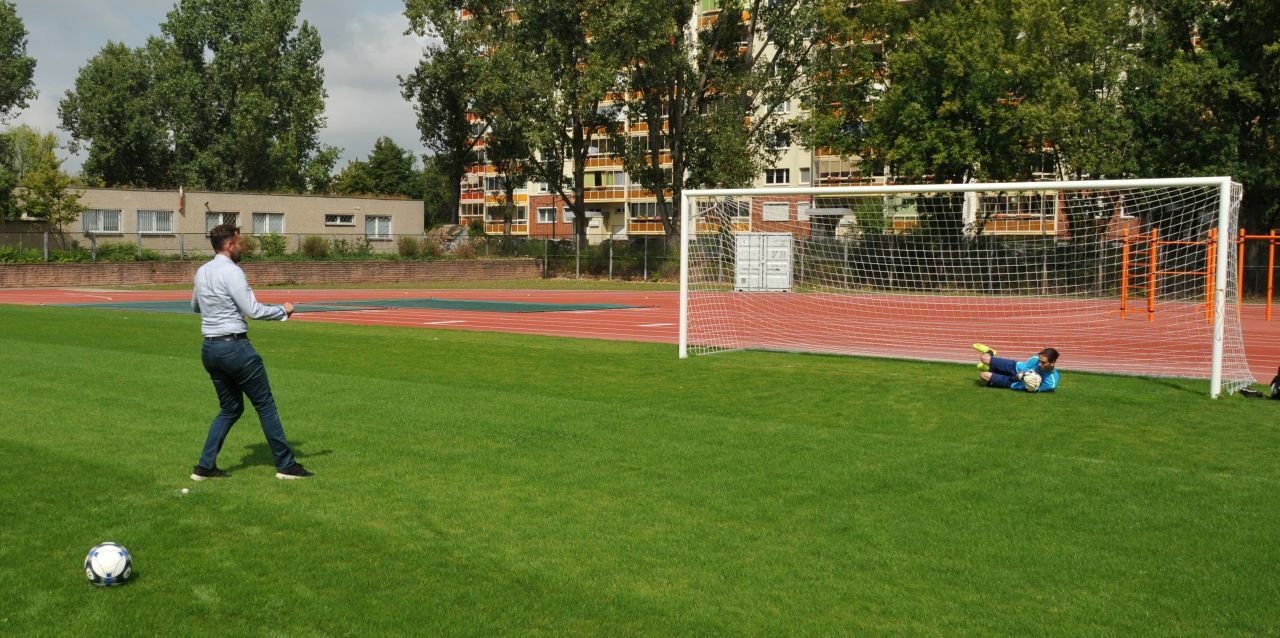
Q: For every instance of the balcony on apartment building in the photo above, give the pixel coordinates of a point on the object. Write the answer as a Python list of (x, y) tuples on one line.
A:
[(519, 227)]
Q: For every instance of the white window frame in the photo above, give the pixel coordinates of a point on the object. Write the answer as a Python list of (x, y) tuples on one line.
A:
[(151, 225), (269, 215), (806, 176), (98, 227), (551, 215), (771, 175), (375, 236), (337, 217), (568, 215), (223, 217)]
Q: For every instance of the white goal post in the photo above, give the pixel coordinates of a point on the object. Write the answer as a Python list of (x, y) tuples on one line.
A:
[(1121, 276)]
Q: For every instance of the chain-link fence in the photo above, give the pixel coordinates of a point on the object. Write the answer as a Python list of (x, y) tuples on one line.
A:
[(643, 258)]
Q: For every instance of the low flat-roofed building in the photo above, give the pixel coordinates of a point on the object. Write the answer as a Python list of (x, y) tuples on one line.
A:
[(172, 220)]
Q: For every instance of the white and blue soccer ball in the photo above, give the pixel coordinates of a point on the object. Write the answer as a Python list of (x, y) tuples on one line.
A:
[(108, 564)]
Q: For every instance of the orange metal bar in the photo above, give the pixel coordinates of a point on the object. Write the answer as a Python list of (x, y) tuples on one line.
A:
[(1240, 268), (1271, 270), (1124, 274), (1151, 276)]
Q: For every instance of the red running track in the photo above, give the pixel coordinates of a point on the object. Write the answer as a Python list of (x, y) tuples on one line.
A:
[(655, 320)]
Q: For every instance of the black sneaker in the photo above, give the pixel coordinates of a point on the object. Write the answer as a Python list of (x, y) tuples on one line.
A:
[(203, 473), (295, 471)]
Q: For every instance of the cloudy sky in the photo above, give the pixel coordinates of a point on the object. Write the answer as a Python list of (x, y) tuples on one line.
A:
[(364, 50)]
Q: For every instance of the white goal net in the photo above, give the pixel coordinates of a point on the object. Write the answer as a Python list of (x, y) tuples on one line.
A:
[(1123, 276)]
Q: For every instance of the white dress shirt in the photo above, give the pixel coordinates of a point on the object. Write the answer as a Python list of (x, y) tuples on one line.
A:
[(223, 298)]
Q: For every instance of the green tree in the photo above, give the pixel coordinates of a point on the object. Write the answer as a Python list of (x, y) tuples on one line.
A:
[(391, 170), (17, 69), (712, 105), (1205, 97), (237, 90), (436, 193), (46, 195), (446, 87), (115, 112), (23, 150), (354, 179), (573, 50)]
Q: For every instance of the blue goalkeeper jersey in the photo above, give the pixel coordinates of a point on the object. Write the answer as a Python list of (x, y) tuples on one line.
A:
[(1048, 382)]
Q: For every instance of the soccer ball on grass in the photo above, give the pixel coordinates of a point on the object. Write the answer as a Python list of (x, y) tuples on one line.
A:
[(108, 564)]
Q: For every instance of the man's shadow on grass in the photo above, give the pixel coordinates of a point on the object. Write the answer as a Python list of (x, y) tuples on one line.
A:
[(260, 454)]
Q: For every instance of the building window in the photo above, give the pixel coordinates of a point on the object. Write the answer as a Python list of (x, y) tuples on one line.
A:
[(568, 214), (218, 219), (264, 223), (779, 141), (784, 107), (777, 176), (804, 176), (644, 210), (546, 215), (802, 211), (377, 227), (337, 219), (159, 222), (543, 187), (101, 221)]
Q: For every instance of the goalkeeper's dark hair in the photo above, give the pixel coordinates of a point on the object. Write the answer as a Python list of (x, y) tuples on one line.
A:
[(1051, 354)]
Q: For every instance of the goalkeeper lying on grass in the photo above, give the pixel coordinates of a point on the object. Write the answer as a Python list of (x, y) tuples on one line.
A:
[(1036, 374)]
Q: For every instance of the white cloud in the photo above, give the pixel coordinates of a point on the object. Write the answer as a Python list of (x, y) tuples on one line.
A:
[(362, 61)]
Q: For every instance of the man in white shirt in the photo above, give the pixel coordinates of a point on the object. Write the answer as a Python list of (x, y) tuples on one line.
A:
[(223, 298)]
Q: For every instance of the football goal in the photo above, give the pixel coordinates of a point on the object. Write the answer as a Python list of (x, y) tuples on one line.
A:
[(1121, 276)]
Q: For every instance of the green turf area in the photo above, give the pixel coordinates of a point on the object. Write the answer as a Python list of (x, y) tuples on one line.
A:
[(490, 484)]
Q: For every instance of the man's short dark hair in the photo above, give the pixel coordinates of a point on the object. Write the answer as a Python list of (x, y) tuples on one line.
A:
[(1050, 354), (221, 234)]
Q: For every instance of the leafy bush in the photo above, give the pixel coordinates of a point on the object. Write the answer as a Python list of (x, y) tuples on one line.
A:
[(408, 246), (315, 247), (248, 245), (358, 247), (432, 249), (475, 228), (117, 251), (464, 250), (274, 244), (18, 255)]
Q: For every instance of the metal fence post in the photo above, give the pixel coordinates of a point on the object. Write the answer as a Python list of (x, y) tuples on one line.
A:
[(611, 258), (577, 253), (182, 246), (546, 255), (46, 246), (93, 246), (139, 245), (646, 258)]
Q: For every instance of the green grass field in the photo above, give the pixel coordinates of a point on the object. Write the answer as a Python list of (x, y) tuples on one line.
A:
[(489, 484)]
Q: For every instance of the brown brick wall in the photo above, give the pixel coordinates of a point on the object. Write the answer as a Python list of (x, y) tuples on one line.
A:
[(262, 273)]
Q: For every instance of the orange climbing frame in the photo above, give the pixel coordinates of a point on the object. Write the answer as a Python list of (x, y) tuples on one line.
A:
[(1131, 257)]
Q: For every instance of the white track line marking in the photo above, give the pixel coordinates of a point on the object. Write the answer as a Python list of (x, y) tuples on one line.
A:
[(437, 323), (655, 325)]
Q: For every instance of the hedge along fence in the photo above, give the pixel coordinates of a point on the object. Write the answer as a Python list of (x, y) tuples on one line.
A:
[(267, 272)]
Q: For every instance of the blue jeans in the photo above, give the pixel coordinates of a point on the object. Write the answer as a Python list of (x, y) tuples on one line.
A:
[(237, 370)]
